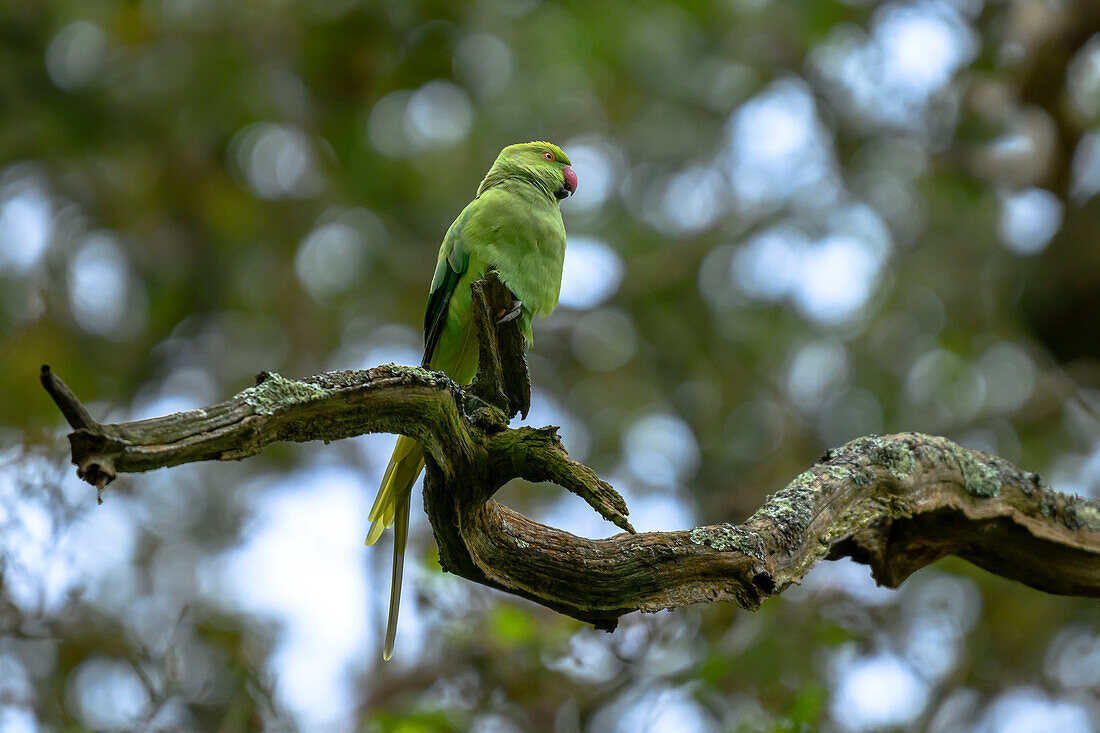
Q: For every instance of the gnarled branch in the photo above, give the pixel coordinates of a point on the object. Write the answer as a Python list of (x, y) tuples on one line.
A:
[(896, 503)]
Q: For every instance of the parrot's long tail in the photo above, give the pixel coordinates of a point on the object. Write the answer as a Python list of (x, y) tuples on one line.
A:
[(391, 508)]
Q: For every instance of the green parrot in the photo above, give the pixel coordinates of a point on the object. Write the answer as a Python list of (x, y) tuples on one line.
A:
[(514, 226)]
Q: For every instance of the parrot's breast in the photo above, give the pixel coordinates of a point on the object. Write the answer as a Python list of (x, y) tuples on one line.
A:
[(522, 235)]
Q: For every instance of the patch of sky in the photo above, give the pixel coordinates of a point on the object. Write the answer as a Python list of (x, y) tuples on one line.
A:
[(406, 122), (939, 611), (844, 576), (391, 343), (880, 690), (104, 297), (276, 161), (660, 449), (26, 226), (107, 693), (1073, 658), (652, 708), (777, 148), (302, 563), (547, 410), (888, 74), (1029, 709), (14, 719), (689, 201), (332, 256), (1029, 219), (588, 659), (830, 278), (591, 274), (185, 388), (599, 165), (818, 370), (46, 559)]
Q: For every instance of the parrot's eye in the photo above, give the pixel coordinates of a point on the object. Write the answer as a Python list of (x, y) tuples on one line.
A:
[(548, 156)]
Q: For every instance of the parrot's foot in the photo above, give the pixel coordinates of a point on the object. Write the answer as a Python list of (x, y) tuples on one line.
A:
[(512, 314)]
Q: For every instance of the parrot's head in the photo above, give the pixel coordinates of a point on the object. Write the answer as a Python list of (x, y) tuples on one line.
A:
[(543, 163)]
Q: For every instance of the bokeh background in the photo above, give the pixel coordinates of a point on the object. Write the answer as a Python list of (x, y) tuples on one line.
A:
[(798, 222)]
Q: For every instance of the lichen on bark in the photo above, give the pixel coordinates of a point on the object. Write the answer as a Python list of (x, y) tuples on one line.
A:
[(1082, 513), (729, 538), (979, 477), (275, 393), (895, 458)]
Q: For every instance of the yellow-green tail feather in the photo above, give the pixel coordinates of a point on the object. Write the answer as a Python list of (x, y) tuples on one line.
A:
[(391, 508), (404, 468), (400, 539)]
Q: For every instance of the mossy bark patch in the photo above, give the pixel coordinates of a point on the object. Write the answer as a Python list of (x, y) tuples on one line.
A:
[(979, 477), (894, 457), (276, 393), (729, 537), (1048, 503), (1082, 514), (789, 511)]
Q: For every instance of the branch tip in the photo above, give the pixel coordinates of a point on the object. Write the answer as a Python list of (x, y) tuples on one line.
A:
[(75, 413)]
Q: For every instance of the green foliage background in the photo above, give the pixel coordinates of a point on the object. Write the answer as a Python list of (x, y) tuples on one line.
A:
[(139, 123)]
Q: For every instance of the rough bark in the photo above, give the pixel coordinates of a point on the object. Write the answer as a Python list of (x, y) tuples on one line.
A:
[(896, 502)]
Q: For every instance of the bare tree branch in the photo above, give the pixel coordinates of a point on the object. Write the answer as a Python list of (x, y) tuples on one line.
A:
[(896, 503)]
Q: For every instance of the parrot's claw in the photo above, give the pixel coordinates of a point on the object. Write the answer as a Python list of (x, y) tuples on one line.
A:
[(512, 314)]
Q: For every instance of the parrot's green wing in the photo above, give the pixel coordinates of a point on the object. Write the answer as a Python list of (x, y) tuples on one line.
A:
[(454, 258)]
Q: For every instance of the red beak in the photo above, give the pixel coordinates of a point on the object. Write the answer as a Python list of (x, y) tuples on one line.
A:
[(570, 179)]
